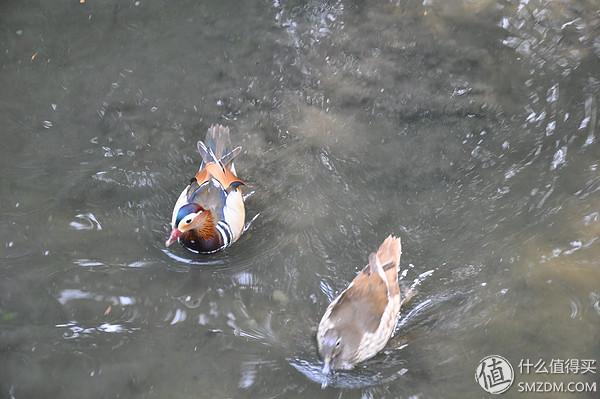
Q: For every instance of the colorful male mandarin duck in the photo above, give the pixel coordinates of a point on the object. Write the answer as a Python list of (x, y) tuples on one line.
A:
[(361, 320), (209, 214)]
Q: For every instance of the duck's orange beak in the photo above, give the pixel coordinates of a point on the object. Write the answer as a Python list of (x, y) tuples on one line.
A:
[(175, 234)]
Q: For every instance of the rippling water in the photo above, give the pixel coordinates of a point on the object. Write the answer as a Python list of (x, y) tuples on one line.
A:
[(469, 128)]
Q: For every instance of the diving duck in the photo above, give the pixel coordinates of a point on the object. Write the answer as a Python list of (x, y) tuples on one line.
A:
[(209, 213), (361, 320)]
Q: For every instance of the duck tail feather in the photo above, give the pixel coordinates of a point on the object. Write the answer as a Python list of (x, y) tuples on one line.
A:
[(218, 140), (389, 252)]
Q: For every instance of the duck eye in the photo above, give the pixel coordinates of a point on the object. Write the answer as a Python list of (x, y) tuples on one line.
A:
[(338, 343), (188, 221)]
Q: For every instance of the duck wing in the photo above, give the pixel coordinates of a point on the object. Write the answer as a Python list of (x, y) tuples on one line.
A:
[(365, 300), (362, 304), (210, 195)]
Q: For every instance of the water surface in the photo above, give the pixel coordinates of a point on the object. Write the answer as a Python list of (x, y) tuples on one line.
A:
[(468, 127)]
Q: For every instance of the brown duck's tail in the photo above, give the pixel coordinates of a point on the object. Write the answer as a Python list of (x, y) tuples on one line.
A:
[(388, 255)]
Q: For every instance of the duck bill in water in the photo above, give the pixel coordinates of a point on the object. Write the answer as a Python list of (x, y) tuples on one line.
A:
[(326, 370), (175, 234)]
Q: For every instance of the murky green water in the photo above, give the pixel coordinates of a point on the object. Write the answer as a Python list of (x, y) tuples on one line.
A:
[(469, 128)]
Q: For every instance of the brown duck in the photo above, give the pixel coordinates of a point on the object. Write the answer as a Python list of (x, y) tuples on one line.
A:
[(361, 320)]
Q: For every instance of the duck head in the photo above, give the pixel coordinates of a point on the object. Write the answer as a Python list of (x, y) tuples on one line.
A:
[(330, 348), (189, 217)]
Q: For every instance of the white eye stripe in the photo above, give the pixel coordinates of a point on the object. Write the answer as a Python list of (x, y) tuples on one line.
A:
[(193, 215)]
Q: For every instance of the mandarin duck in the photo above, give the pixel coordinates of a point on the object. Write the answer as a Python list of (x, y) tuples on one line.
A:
[(361, 320), (209, 213)]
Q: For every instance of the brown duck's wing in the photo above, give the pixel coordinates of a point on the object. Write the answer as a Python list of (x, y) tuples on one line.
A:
[(363, 302)]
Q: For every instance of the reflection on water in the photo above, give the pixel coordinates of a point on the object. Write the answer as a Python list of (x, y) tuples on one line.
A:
[(469, 128)]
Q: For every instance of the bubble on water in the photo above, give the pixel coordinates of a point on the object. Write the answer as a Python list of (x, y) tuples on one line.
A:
[(180, 316), (550, 128), (327, 289), (380, 370), (84, 262), (247, 375), (574, 305), (552, 94), (111, 328), (325, 161), (595, 301), (460, 91), (510, 173), (426, 274), (575, 245), (139, 263), (202, 319), (556, 252), (591, 218), (126, 300), (503, 190), (47, 124), (126, 178), (559, 159), (85, 221), (245, 279)]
